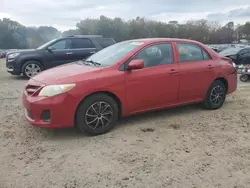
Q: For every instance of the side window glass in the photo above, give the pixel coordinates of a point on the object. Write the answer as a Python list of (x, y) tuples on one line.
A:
[(155, 55), (191, 52), (205, 55), (82, 43), (62, 44)]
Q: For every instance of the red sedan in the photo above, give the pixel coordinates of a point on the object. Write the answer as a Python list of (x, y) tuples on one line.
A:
[(127, 78)]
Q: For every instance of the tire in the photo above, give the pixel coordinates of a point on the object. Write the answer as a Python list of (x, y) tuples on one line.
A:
[(216, 90), (244, 77), (33, 65), (87, 119)]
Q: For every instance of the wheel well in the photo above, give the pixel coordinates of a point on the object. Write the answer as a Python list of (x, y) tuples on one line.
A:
[(117, 100), (224, 81)]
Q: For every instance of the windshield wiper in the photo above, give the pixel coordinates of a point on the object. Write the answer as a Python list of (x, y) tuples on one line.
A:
[(93, 62), (88, 62)]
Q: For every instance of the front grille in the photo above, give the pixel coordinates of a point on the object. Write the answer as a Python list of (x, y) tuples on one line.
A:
[(31, 89)]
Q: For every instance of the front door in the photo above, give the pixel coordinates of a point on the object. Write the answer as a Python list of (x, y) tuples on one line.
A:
[(157, 84), (60, 53), (197, 72)]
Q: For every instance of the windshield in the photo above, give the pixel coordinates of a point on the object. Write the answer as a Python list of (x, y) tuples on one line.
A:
[(112, 54), (230, 51), (44, 45)]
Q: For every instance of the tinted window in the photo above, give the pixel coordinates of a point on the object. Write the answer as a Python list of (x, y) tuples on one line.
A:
[(159, 54), (82, 43), (46, 44), (62, 44), (105, 42), (191, 52)]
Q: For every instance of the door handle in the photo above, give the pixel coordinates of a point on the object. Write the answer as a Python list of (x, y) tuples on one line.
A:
[(210, 66), (173, 71), (69, 53), (92, 52)]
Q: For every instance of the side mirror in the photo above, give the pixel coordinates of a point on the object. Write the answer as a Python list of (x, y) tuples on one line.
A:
[(50, 48), (136, 64)]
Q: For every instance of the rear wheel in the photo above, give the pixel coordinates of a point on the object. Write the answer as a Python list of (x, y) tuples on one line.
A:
[(244, 77), (31, 68), (97, 114), (215, 96)]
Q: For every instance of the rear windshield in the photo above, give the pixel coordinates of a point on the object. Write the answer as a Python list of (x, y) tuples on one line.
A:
[(230, 51), (105, 42)]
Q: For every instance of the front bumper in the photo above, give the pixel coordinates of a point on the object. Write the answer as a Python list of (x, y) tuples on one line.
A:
[(11, 68), (61, 110)]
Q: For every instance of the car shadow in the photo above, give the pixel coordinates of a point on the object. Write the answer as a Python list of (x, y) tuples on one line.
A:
[(72, 133), (14, 77), (155, 115)]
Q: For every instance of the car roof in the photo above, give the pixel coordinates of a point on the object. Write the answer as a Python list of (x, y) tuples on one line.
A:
[(150, 40)]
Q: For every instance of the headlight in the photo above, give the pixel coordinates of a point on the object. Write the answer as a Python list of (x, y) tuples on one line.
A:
[(52, 90), (13, 56)]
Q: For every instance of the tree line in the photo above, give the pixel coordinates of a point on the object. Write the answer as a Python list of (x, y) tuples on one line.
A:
[(17, 36)]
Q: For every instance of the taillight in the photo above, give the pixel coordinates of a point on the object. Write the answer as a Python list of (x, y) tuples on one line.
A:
[(227, 65)]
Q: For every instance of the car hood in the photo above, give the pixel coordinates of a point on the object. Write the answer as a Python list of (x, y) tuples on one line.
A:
[(64, 74), (21, 51)]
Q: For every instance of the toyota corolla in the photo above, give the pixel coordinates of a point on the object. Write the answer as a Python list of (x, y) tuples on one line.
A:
[(127, 78)]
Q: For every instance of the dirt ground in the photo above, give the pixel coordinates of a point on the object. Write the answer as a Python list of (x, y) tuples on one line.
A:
[(185, 147)]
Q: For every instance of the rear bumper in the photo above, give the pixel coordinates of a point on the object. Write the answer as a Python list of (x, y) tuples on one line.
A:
[(232, 80)]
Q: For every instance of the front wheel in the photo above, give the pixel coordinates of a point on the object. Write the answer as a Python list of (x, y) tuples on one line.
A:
[(97, 114), (31, 68), (215, 96)]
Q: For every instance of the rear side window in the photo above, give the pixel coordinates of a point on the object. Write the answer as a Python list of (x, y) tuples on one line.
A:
[(191, 52), (81, 43), (105, 42)]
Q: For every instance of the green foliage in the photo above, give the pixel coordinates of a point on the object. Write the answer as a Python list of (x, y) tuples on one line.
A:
[(15, 35), (200, 30)]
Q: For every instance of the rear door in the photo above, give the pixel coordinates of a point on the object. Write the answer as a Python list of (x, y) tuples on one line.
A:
[(82, 48), (197, 71)]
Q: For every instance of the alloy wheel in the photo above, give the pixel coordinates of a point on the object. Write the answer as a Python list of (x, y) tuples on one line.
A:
[(32, 70), (99, 115), (217, 95)]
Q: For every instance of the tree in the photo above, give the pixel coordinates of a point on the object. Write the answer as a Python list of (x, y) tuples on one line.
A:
[(15, 35)]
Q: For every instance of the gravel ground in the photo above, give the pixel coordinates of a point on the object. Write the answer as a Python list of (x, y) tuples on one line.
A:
[(185, 147)]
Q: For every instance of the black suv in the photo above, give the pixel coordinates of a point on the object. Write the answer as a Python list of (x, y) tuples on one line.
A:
[(55, 52), (240, 56)]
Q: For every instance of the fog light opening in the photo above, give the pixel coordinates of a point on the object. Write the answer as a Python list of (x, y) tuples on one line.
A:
[(46, 116)]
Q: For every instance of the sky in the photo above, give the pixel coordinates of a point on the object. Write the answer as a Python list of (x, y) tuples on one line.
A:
[(64, 14)]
